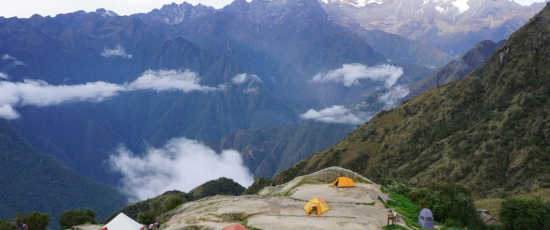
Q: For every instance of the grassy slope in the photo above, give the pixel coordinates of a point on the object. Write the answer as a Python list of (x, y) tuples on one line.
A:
[(488, 130)]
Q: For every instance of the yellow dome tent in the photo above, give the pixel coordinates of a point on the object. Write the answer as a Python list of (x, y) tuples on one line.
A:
[(343, 182), (316, 205)]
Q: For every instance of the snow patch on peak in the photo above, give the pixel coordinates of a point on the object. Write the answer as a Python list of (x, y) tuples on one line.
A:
[(439, 9), (374, 1), (106, 13), (462, 5)]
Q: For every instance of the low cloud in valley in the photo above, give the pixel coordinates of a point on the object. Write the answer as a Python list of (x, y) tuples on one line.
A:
[(393, 97), (350, 74), (118, 51), (181, 164), (40, 93), (185, 81), (337, 114)]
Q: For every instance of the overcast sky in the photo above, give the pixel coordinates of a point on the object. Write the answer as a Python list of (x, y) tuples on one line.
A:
[(26, 8)]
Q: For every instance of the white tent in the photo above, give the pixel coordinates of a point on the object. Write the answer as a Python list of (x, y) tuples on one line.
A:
[(123, 222)]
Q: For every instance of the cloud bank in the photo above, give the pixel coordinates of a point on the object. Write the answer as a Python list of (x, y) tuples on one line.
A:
[(181, 164), (337, 114), (350, 74), (118, 51), (40, 93), (393, 97), (7, 57), (185, 81)]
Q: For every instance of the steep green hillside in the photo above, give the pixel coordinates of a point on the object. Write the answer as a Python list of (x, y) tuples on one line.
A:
[(488, 130), (33, 181)]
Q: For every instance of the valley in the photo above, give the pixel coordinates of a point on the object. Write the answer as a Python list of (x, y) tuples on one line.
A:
[(162, 115)]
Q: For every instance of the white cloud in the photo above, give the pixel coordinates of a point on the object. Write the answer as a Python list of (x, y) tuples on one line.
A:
[(4, 76), (6, 111), (117, 51), (40, 93), (350, 74), (185, 81), (462, 5), (393, 97), (337, 114), (7, 57), (244, 77), (181, 164)]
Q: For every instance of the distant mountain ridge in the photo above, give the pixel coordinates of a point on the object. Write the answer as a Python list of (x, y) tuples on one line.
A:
[(452, 26), (286, 43)]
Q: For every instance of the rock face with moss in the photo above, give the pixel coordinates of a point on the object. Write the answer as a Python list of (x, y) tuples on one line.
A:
[(488, 130)]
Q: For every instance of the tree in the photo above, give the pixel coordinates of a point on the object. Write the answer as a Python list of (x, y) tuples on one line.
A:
[(76, 217), (453, 204), (35, 220), (6, 225), (525, 213)]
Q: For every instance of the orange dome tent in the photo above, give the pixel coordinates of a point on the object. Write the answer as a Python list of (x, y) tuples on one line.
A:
[(316, 205), (235, 227), (343, 182)]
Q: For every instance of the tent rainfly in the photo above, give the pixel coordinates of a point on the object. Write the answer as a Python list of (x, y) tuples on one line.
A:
[(316, 205), (123, 222), (235, 227), (426, 219), (343, 182)]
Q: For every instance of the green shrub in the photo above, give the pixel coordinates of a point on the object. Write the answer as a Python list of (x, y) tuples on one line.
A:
[(398, 187), (75, 217), (146, 217), (258, 185), (523, 213), (35, 220), (6, 225), (417, 194), (453, 205), (173, 202)]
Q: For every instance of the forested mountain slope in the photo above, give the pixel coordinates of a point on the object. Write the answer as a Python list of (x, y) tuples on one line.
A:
[(33, 181)]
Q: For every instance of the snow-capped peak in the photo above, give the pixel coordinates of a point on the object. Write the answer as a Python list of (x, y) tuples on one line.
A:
[(106, 13)]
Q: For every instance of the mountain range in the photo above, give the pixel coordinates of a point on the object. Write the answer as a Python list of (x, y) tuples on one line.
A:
[(452, 26), (487, 130)]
